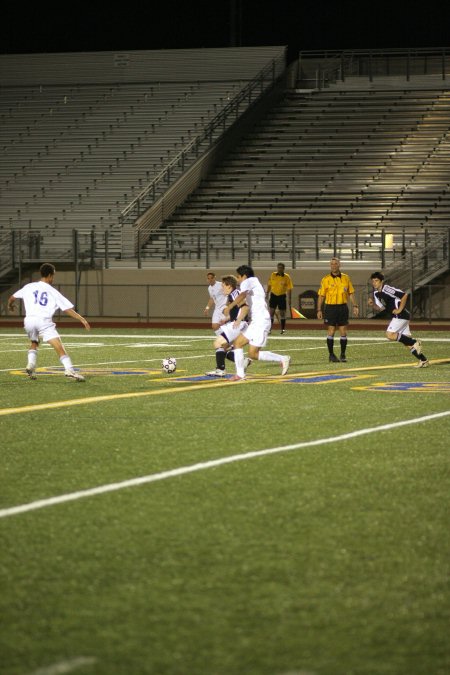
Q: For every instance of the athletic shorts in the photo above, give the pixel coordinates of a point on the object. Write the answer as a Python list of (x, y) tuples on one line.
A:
[(399, 326), (230, 333), (218, 316), (277, 301), (336, 315), (40, 329), (258, 332)]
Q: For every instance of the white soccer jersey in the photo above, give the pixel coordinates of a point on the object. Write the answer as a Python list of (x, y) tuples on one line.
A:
[(42, 300), (256, 298), (217, 294)]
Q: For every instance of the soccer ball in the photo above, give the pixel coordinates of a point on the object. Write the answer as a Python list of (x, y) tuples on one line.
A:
[(169, 365)]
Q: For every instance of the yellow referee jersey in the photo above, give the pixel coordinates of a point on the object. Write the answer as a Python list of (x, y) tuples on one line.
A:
[(336, 289), (280, 285)]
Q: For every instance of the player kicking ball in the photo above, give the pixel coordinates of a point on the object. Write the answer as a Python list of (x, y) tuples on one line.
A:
[(41, 301), (255, 335), (229, 330), (394, 301)]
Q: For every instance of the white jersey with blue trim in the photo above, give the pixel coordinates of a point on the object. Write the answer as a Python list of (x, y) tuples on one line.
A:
[(42, 299), (217, 295), (256, 298)]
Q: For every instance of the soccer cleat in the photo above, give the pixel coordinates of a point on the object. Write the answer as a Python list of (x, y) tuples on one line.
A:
[(422, 364), (216, 373), (31, 372), (343, 358), (283, 331), (417, 347), (333, 358), (285, 364), (247, 363), (236, 378), (74, 375)]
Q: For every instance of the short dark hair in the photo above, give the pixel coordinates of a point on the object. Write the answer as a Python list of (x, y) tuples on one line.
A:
[(46, 269), (245, 270), (230, 280), (377, 275)]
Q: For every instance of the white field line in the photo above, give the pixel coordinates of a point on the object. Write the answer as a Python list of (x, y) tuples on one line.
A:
[(185, 358), (138, 336), (65, 666), (95, 364), (202, 466), (381, 341), (210, 336)]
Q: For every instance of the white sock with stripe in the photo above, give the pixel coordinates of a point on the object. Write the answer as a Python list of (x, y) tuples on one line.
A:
[(66, 362)]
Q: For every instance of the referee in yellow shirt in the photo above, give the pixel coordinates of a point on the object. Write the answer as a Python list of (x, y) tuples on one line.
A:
[(279, 291), (335, 289)]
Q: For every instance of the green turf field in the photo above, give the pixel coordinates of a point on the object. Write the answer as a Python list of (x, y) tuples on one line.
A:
[(178, 525)]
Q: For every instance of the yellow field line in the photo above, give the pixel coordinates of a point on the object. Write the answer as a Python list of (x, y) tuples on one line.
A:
[(110, 397), (158, 392), (366, 368)]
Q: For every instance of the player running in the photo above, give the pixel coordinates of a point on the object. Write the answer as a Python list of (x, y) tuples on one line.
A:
[(394, 301), (252, 291), (229, 330)]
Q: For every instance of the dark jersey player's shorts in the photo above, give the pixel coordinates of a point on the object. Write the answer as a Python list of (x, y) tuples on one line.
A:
[(336, 315), (277, 301)]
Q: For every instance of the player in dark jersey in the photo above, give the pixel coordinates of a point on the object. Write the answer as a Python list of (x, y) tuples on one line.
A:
[(228, 331), (394, 301)]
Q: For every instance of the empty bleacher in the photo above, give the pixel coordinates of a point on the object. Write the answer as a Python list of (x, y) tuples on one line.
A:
[(331, 170), (80, 139), (79, 156), (364, 161)]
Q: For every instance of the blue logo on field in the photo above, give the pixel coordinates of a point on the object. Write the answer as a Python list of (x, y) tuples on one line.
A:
[(423, 387), (317, 379)]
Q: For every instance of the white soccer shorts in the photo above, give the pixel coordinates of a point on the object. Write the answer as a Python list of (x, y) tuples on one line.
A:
[(218, 316), (258, 332), (230, 333), (400, 326), (36, 328)]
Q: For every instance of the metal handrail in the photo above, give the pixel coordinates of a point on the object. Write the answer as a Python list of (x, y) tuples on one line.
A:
[(336, 64), (421, 266), (296, 244), (223, 120), (410, 265)]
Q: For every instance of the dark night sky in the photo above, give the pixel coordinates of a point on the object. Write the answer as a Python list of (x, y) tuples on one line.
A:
[(300, 24)]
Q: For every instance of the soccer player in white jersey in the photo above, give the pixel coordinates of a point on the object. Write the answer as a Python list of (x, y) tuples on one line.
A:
[(217, 300), (229, 330), (41, 301), (256, 334)]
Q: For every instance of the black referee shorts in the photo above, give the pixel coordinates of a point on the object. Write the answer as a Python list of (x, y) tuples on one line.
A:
[(277, 301), (336, 315)]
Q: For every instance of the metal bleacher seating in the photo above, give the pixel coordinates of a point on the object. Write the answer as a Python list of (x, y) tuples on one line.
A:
[(75, 157), (324, 170), (363, 161), (79, 147)]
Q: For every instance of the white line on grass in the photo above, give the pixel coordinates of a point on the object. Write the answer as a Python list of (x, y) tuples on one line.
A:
[(65, 666), (95, 364), (210, 336), (202, 466)]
